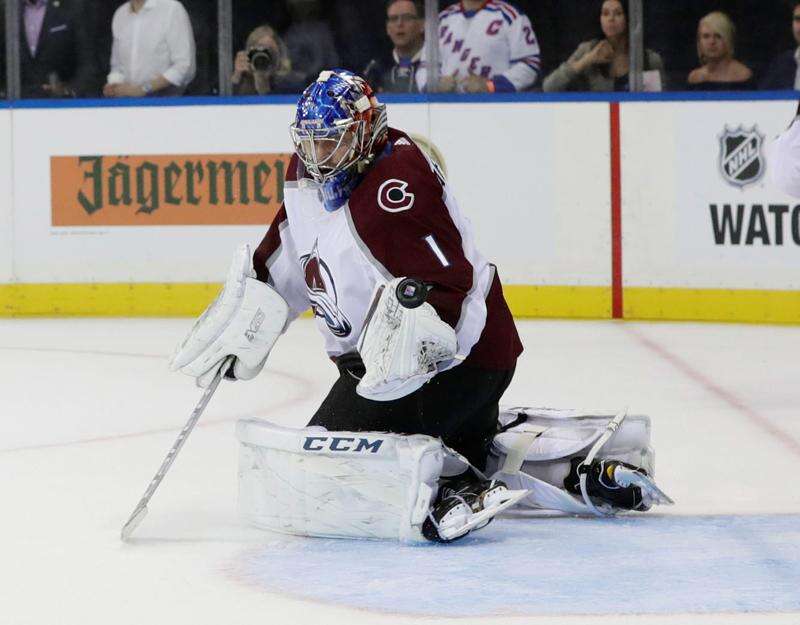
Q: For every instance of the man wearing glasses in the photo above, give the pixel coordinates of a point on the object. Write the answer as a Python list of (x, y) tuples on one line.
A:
[(405, 25)]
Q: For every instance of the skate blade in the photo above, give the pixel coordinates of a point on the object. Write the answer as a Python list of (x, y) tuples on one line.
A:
[(481, 518), (625, 477)]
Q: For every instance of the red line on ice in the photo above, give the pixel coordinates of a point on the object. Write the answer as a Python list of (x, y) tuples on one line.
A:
[(720, 393)]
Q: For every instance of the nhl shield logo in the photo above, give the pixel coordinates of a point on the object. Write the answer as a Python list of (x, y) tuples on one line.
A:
[(740, 159)]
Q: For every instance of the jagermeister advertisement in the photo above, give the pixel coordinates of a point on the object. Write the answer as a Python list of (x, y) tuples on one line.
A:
[(106, 190)]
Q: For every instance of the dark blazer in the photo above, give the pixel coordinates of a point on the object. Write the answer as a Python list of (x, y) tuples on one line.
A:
[(387, 75), (63, 49), (781, 72)]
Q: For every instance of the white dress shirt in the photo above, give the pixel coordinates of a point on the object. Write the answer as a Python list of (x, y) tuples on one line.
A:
[(784, 160), (155, 41), (797, 73)]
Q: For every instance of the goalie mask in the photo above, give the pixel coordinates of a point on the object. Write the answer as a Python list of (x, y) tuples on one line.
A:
[(339, 127)]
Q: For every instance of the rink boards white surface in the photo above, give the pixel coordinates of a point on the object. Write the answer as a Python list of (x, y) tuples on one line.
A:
[(88, 409)]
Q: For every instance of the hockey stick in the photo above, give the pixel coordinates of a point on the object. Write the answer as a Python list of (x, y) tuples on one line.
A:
[(141, 508), (583, 469), (623, 476)]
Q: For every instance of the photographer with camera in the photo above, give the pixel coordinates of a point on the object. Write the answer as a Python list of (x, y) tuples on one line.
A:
[(264, 67)]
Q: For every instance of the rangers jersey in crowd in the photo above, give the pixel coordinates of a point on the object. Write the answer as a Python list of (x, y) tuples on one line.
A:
[(496, 42), (401, 220)]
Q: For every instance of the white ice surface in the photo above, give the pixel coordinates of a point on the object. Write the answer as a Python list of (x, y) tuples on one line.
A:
[(88, 409)]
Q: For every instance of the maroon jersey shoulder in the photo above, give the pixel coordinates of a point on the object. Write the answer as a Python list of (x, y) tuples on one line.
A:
[(294, 169), (399, 213), (400, 185), (272, 239), (268, 246)]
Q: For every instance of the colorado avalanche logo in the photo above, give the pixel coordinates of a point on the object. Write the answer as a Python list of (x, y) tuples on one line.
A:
[(322, 293), (393, 197)]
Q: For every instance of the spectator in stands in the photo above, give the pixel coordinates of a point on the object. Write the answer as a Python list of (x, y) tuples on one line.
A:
[(405, 25), (486, 46), (203, 18), (602, 64), (359, 32), (310, 40), (55, 51), (153, 49), (719, 70), (784, 71), (263, 66)]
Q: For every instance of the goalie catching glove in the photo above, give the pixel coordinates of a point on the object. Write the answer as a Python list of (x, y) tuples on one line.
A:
[(404, 342), (244, 321)]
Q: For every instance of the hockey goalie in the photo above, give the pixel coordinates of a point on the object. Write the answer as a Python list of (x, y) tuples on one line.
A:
[(410, 442)]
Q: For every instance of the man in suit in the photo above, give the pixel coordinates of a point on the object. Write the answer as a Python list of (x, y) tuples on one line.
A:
[(783, 72), (55, 52)]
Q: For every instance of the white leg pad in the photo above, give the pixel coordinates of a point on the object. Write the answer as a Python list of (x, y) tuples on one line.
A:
[(313, 482), (535, 454)]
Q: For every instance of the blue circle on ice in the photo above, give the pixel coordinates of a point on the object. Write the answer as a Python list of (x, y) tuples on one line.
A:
[(552, 566)]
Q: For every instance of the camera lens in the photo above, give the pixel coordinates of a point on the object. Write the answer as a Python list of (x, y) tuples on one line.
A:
[(261, 59)]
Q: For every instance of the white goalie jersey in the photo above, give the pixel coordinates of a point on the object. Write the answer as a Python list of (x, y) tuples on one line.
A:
[(401, 220)]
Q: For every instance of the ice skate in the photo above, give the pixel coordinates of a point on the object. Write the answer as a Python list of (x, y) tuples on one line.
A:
[(465, 504), (617, 483)]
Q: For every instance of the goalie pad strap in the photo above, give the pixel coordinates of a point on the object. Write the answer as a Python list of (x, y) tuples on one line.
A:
[(535, 445)]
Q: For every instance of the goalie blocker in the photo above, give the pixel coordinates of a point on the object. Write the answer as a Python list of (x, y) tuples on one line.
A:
[(243, 322)]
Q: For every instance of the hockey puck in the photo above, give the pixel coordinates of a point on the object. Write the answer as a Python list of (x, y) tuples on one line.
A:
[(411, 293)]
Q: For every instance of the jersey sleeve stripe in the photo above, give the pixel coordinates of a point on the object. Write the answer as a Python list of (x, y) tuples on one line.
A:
[(270, 262), (533, 59), (266, 251), (455, 8), (503, 84), (532, 63), (387, 275), (477, 295), (507, 7), (472, 318), (508, 15), (505, 15), (273, 262)]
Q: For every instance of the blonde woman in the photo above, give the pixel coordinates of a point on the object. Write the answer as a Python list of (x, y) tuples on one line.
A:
[(264, 67), (719, 70), (601, 64)]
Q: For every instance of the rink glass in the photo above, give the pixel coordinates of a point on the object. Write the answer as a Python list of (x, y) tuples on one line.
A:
[(354, 36)]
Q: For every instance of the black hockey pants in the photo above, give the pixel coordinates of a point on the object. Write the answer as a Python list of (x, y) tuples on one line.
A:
[(460, 406)]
